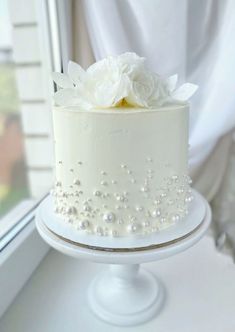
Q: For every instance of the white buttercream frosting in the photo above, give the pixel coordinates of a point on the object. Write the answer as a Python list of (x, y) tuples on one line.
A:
[(118, 80), (121, 172)]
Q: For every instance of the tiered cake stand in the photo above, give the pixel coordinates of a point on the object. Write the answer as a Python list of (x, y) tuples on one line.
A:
[(125, 294)]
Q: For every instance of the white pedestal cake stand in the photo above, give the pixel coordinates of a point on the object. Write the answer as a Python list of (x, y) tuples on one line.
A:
[(126, 294)]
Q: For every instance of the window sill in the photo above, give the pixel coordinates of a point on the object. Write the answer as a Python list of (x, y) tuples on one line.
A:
[(21, 253), (54, 299)]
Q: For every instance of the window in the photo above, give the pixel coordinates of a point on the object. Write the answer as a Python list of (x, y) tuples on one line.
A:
[(29, 51), (26, 148), (13, 178)]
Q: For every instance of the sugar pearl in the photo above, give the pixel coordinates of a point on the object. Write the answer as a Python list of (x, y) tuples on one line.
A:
[(175, 218), (99, 230), (86, 208), (84, 224), (156, 213), (146, 223), (71, 210), (139, 208), (114, 233), (109, 217), (132, 228), (144, 189)]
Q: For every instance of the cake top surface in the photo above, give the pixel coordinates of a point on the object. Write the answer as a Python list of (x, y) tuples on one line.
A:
[(118, 83), (123, 110)]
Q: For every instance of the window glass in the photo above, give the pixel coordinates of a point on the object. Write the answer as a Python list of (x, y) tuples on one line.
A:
[(13, 178)]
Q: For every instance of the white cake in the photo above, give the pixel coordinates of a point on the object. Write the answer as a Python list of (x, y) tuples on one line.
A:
[(122, 169)]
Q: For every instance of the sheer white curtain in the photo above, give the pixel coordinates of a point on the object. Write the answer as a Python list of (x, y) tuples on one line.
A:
[(188, 37), (192, 38)]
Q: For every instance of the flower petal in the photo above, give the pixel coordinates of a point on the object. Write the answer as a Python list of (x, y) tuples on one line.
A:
[(64, 97), (62, 80), (171, 82), (184, 92), (76, 72)]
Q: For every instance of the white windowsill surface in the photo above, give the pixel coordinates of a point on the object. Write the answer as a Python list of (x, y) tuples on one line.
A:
[(200, 295)]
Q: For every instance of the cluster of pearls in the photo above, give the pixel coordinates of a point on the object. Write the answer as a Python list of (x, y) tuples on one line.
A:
[(111, 212)]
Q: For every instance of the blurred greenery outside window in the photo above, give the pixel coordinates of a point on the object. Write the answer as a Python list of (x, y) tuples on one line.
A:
[(13, 180)]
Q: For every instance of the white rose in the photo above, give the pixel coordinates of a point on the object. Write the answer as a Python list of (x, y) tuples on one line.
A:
[(106, 84), (129, 62), (142, 87)]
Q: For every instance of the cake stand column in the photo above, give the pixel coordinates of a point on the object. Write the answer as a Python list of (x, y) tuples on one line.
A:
[(125, 295)]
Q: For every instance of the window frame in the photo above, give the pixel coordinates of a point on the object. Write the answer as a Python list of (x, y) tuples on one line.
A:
[(21, 247)]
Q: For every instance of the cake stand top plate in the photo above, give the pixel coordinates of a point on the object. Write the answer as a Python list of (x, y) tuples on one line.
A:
[(155, 251)]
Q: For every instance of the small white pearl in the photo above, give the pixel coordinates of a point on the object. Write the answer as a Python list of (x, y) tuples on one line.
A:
[(189, 199), (180, 191), (97, 193), (157, 202), (109, 217), (175, 218), (99, 231), (132, 228), (84, 224), (156, 213), (146, 223), (71, 210), (114, 233), (86, 208), (144, 189)]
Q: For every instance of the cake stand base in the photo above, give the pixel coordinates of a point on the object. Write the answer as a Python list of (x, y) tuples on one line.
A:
[(126, 295)]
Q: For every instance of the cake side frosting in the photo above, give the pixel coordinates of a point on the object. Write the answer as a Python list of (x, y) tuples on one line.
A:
[(121, 171)]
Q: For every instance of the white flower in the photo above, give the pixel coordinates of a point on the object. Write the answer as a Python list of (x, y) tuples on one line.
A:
[(115, 79), (106, 83), (142, 87)]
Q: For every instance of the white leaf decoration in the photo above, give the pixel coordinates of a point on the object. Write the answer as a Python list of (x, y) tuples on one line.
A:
[(62, 80), (171, 82), (76, 73), (184, 92), (64, 97)]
